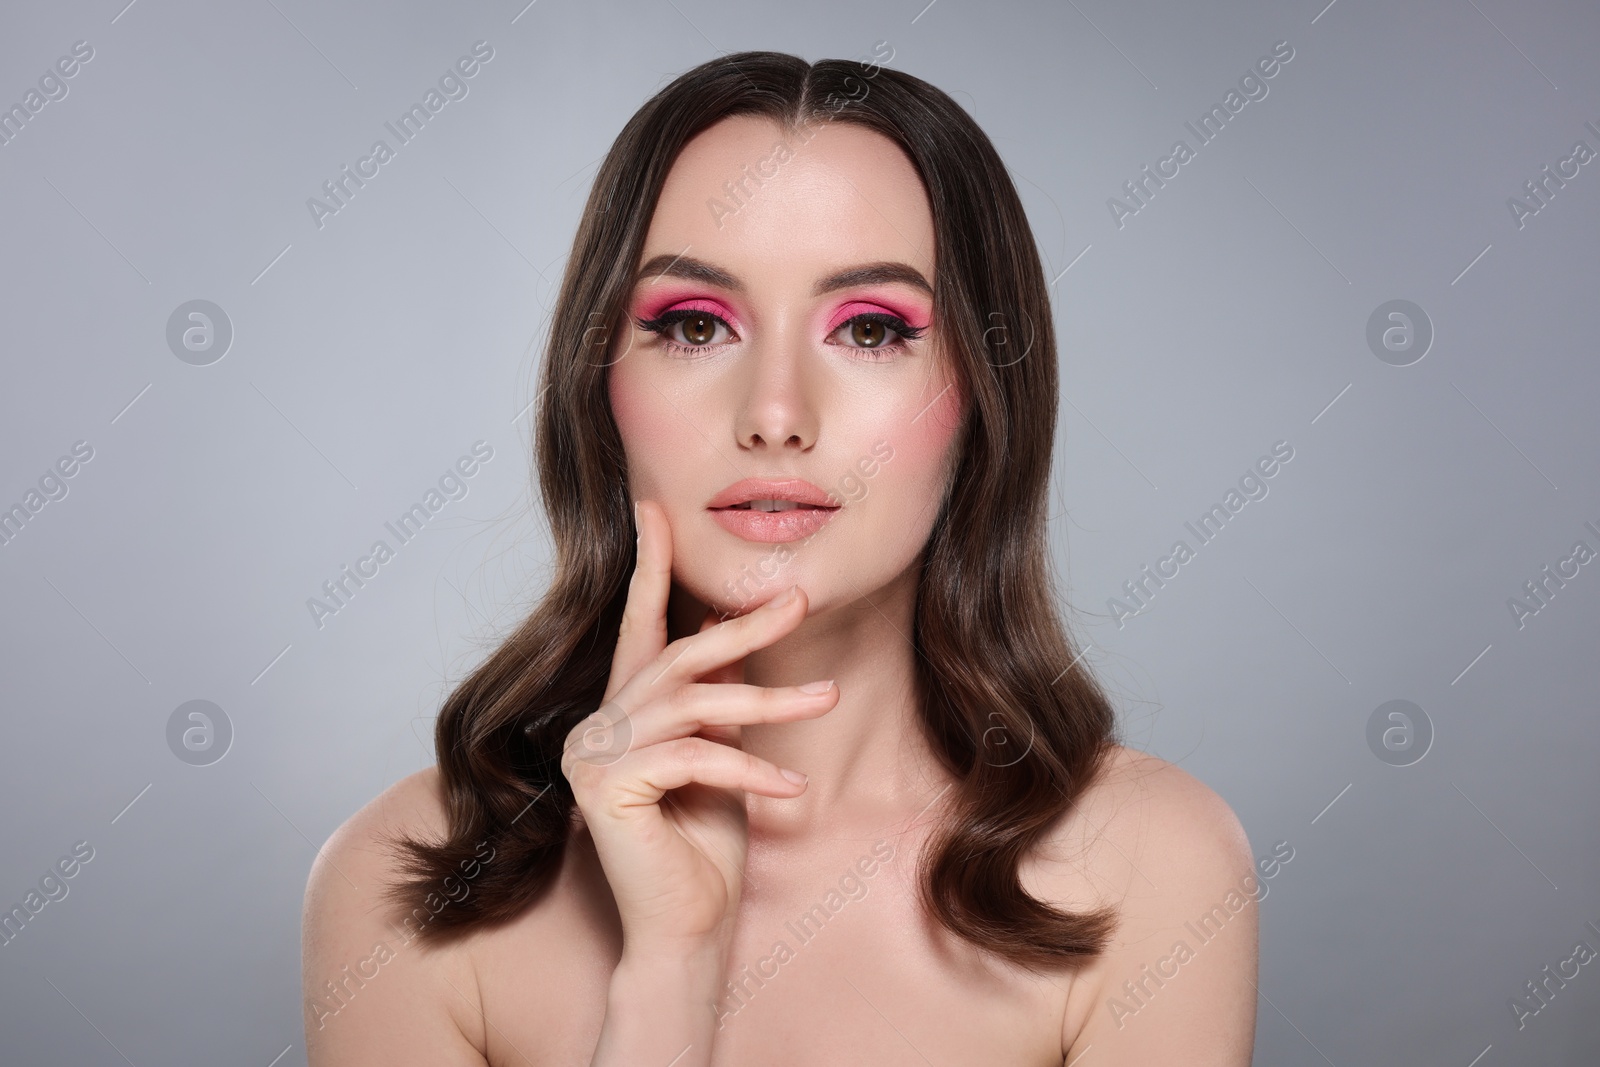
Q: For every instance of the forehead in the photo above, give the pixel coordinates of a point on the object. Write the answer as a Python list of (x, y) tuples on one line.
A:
[(803, 201)]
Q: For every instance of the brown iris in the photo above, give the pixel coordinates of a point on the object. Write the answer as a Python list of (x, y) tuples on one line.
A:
[(868, 333), (699, 329)]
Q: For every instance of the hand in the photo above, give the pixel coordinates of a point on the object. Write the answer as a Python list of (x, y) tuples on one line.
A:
[(675, 863)]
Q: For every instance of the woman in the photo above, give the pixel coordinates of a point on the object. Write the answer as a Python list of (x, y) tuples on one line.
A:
[(804, 349)]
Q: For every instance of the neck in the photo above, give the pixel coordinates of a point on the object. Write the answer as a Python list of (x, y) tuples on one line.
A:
[(868, 760)]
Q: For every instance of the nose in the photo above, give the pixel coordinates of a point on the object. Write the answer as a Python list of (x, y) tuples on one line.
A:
[(779, 407)]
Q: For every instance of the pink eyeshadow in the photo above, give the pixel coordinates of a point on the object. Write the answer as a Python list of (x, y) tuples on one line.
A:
[(857, 307), (657, 304)]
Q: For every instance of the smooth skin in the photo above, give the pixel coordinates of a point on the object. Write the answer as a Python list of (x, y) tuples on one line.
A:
[(692, 855)]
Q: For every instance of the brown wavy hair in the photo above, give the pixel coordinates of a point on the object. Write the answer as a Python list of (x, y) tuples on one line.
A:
[(993, 656)]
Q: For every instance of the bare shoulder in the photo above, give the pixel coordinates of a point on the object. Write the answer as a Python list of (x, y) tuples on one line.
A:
[(373, 992), (1168, 854), (1146, 801)]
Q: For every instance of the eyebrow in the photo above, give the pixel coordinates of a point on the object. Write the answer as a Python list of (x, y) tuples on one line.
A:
[(681, 266)]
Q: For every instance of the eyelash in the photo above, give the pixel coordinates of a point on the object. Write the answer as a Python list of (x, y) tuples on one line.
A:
[(904, 332)]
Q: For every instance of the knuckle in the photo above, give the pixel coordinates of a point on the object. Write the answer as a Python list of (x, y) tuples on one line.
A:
[(668, 656), (690, 752)]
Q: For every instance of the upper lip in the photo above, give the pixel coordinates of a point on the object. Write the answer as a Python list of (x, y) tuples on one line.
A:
[(796, 489)]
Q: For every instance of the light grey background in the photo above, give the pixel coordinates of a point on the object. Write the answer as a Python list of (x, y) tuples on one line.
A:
[(1229, 313)]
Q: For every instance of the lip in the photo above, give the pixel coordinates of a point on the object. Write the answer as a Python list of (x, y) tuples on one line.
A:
[(797, 489), (772, 527)]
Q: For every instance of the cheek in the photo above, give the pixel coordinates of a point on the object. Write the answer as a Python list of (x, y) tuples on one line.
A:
[(928, 438), (636, 407), (922, 441), (905, 459)]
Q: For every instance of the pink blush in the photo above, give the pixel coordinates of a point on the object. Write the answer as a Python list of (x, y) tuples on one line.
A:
[(923, 439), (638, 411)]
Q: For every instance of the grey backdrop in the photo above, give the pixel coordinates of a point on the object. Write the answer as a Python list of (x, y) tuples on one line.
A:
[(1230, 310)]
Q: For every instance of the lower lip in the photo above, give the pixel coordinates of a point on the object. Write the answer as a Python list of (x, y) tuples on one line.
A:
[(773, 526)]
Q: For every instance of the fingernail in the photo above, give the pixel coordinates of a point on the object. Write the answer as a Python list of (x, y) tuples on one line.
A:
[(816, 687), (794, 776), (783, 600)]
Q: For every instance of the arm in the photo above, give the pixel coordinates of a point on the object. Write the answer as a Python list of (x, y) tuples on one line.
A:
[(1177, 982), (661, 1010), (372, 995)]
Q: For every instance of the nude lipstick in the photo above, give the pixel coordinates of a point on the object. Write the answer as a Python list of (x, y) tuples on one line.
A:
[(772, 510)]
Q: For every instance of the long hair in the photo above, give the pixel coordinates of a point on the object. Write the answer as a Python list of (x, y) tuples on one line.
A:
[(1019, 724)]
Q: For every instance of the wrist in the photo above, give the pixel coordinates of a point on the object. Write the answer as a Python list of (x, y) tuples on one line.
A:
[(661, 1006), (676, 961)]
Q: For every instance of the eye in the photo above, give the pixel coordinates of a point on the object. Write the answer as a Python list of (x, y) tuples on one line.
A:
[(697, 327), (698, 330), (872, 331)]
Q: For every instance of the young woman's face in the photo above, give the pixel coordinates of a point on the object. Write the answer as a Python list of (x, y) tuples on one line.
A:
[(782, 274)]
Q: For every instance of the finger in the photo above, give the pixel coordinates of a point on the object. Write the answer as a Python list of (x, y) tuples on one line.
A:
[(726, 735), (718, 709), (690, 658), (643, 633), (644, 776), (733, 672)]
